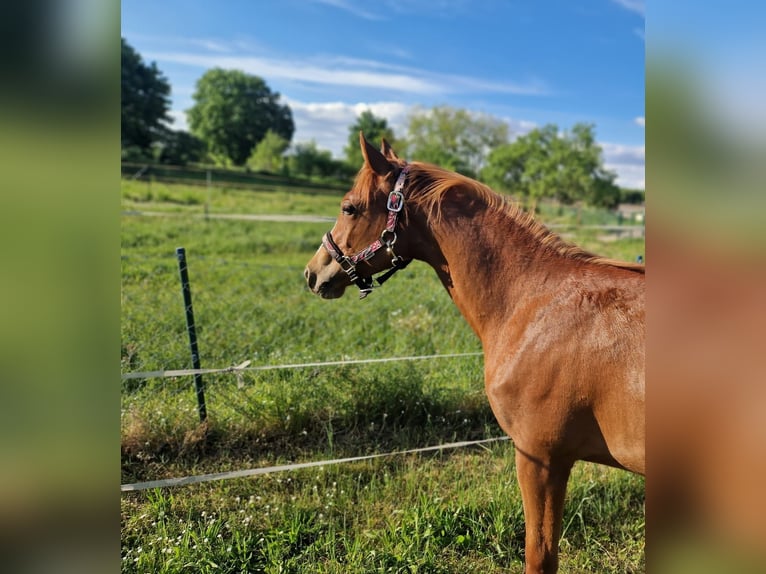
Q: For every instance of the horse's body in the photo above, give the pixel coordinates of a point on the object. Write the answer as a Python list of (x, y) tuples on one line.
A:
[(562, 330)]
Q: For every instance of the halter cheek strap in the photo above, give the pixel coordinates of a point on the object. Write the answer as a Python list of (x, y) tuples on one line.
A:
[(387, 238)]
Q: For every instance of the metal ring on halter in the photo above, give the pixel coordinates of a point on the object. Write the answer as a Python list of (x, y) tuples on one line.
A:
[(390, 243)]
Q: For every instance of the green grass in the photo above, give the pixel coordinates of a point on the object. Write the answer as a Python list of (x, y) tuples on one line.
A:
[(448, 513), (458, 511), (157, 196)]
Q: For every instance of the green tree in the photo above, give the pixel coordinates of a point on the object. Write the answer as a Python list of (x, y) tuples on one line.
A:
[(309, 160), (453, 138), (232, 112), (544, 163), (374, 129), (268, 154), (145, 101), (178, 147)]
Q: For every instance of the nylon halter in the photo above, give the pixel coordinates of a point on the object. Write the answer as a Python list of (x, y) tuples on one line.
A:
[(387, 239)]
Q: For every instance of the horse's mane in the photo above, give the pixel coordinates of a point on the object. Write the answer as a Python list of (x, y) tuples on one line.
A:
[(427, 184)]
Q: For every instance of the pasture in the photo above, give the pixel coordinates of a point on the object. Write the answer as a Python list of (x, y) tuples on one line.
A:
[(456, 511)]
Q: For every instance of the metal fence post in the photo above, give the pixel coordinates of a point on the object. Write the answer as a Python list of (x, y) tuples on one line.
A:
[(186, 288)]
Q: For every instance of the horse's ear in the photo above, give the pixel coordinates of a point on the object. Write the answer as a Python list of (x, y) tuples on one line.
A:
[(373, 159), (387, 150)]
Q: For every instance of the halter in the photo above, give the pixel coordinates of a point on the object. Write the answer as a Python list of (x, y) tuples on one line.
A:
[(387, 239)]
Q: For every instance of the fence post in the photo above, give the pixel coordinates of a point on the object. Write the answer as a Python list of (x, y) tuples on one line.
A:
[(186, 288), (209, 193)]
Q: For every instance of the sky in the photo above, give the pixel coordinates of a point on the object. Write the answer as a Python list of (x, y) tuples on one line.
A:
[(528, 63)]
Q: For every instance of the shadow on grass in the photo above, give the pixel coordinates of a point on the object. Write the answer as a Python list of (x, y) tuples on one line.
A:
[(349, 412)]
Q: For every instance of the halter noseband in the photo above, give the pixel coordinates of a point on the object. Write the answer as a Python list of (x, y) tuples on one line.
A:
[(387, 239)]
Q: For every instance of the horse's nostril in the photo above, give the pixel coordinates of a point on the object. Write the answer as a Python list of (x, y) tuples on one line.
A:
[(311, 278)]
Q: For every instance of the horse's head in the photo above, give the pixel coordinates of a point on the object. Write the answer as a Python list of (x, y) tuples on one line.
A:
[(364, 240)]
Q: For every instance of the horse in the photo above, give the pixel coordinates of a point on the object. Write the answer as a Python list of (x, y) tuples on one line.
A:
[(561, 329)]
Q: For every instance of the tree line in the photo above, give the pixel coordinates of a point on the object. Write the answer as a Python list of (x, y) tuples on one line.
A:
[(237, 120)]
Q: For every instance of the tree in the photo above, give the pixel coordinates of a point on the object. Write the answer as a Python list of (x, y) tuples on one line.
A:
[(232, 112), (145, 101), (544, 163), (374, 129), (453, 138), (308, 160), (268, 154), (178, 147)]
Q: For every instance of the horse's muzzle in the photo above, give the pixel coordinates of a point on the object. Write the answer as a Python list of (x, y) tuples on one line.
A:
[(330, 288)]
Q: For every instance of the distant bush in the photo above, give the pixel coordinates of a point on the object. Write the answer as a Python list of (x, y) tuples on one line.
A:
[(633, 196)]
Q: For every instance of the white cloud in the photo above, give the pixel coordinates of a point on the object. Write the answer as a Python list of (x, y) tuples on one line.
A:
[(519, 127), (399, 7), (640, 121), (351, 7), (637, 6), (304, 72), (211, 45), (328, 122), (179, 120), (629, 162), (351, 73)]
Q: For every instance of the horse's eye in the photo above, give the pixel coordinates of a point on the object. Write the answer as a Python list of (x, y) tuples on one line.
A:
[(348, 209)]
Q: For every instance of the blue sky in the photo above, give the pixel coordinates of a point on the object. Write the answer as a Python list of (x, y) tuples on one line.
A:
[(526, 62)]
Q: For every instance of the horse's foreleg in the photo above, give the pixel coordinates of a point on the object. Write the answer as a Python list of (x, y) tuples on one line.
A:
[(543, 489)]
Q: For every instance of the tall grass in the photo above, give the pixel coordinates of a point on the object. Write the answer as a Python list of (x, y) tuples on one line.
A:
[(455, 512)]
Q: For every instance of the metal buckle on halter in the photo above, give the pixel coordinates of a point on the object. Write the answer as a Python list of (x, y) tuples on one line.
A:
[(367, 289), (349, 268), (395, 201)]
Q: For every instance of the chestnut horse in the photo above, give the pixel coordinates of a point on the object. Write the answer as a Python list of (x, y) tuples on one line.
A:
[(562, 330)]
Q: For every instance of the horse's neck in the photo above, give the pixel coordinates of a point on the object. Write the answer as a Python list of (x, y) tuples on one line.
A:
[(487, 264)]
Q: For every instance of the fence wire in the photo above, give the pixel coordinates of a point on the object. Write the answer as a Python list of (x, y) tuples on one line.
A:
[(251, 304)]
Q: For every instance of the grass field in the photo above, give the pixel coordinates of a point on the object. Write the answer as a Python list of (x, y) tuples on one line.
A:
[(458, 511)]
